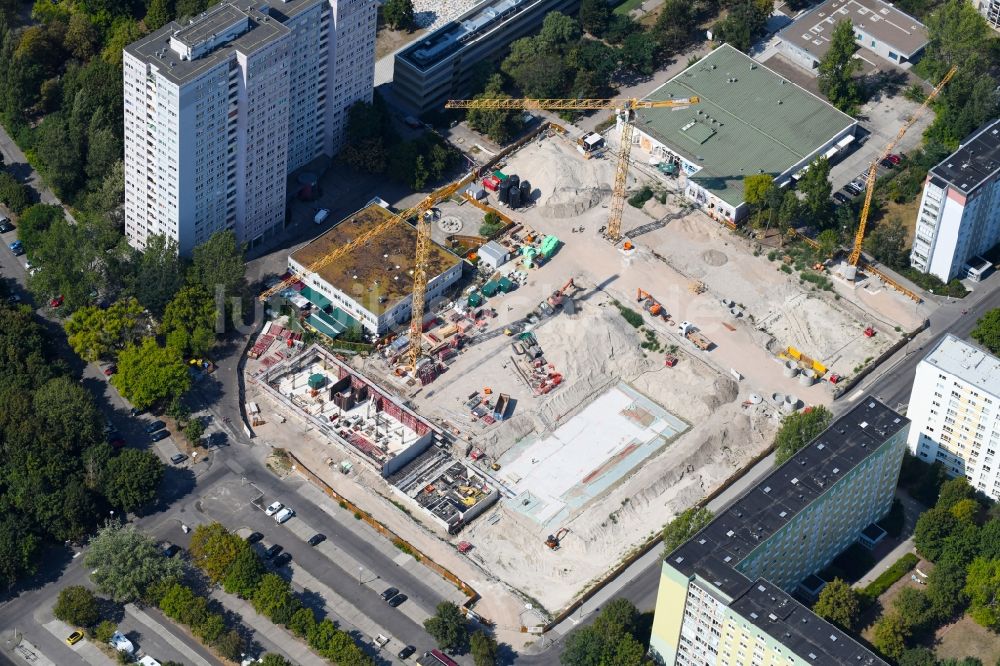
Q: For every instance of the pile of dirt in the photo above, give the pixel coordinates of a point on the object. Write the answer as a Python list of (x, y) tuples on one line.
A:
[(572, 201), (714, 258)]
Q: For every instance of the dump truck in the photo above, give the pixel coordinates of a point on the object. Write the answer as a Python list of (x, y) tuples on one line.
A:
[(690, 331)]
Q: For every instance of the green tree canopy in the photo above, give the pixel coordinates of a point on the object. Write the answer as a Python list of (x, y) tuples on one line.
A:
[(887, 243), (838, 67), (398, 14), (159, 274), (217, 264), (683, 527), (484, 649), (126, 562), (77, 605), (500, 125), (214, 550), (611, 639), (189, 322), (982, 586), (132, 478), (448, 627), (148, 374), (95, 333), (839, 603), (756, 188), (273, 598), (815, 185), (933, 527), (889, 635), (987, 331), (595, 15), (244, 574), (799, 429)]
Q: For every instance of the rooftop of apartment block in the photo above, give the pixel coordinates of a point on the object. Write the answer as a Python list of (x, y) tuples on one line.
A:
[(976, 161), (480, 19), (379, 272), (212, 37), (967, 361), (896, 29), (750, 120)]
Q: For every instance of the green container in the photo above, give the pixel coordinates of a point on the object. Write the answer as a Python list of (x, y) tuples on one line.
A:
[(475, 300), (491, 288), (500, 175), (505, 285), (317, 381)]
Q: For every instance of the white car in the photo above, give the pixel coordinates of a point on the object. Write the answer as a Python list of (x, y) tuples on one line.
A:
[(120, 643), (274, 508), (283, 515)]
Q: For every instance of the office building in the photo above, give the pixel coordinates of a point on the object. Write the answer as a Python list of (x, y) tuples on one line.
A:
[(725, 595), (959, 214), (219, 109), (371, 285), (879, 29), (955, 410), (439, 67), (750, 120)]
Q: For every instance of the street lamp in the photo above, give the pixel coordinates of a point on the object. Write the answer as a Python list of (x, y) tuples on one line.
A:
[(360, 570)]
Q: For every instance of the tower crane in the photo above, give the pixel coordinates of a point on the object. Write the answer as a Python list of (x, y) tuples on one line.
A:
[(855, 255), (421, 256), (624, 107)]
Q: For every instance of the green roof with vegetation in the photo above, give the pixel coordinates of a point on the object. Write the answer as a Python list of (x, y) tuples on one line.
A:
[(750, 120)]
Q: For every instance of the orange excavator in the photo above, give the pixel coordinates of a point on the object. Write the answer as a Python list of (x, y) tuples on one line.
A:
[(554, 540), (556, 299), (650, 304)]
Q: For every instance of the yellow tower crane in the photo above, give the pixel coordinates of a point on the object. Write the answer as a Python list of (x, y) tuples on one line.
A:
[(421, 255), (624, 107), (855, 255)]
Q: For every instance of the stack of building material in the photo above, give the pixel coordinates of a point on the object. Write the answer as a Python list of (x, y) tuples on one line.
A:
[(260, 347)]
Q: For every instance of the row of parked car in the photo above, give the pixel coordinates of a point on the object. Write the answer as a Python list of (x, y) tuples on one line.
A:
[(857, 186)]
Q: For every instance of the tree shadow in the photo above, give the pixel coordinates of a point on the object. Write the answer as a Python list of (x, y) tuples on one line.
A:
[(884, 84), (177, 483), (314, 601), (52, 565), (506, 655)]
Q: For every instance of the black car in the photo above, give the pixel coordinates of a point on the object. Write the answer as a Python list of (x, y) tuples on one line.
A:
[(397, 600), (390, 593), (406, 652), (5, 225), (272, 551), (254, 537), (886, 163), (155, 425), (316, 539), (282, 560), (178, 458), (840, 197), (171, 549), (135, 411), (157, 436)]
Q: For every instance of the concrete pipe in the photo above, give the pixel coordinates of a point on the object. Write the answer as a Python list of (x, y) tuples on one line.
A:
[(791, 369)]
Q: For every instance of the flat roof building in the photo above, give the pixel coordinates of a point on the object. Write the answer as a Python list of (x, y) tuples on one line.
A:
[(372, 284), (221, 108), (439, 66), (879, 29), (959, 214), (955, 409), (724, 596), (750, 120)]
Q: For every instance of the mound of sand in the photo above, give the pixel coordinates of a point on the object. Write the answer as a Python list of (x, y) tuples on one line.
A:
[(572, 201), (714, 258)]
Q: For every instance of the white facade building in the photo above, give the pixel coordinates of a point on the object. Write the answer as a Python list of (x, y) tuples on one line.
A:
[(959, 214), (990, 9), (955, 411), (220, 110)]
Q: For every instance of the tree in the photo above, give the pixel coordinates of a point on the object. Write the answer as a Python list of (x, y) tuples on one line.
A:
[(889, 635), (148, 374), (987, 331), (244, 573), (214, 549), (956, 37), (744, 24), (159, 275), (914, 607), (982, 586), (610, 639), (498, 124), (945, 586), (217, 265), (932, 528), (273, 598), (189, 322), (887, 243), (448, 627), (104, 631), (558, 30), (595, 15), (756, 188), (158, 14), (398, 14), (194, 431), (187, 8), (14, 195), (76, 605), (966, 511), (838, 67), (96, 333), (302, 622), (126, 562), (799, 429), (838, 603), (81, 36), (132, 478), (683, 527), (828, 241), (638, 53), (272, 659), (484, 649), (917, 657), (989, 540), (230, 645), (815, 185)]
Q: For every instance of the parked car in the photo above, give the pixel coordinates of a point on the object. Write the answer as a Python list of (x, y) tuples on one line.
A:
[(254, 537), (121, 643), (316, 539), (887, 163), (155, 425), (178, 458), (14, 299), (56, 301), (406, 652), (135, 411), (390, 593), (274, 508), (282, 560), (397, 600), (17, 247), (283, 515), (841, 198), (110, 370), (75, 637), (272, 551), (5, 225), (159, 435), (895, 159), (853, 189), (170, 549)]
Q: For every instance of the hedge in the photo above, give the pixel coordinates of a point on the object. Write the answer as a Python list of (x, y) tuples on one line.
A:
[(899, 568)]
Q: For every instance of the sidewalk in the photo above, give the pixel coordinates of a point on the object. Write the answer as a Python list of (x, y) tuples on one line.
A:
[(886, 562), (291, 647), (85, 648), (146, 619)]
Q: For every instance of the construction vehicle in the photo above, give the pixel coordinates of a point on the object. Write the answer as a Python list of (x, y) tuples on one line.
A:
[(870, 332), (669, 360), (850, 271), (690, 331), (624, 108), (421, 260), (555, 540), (556, 299), (650, 304)]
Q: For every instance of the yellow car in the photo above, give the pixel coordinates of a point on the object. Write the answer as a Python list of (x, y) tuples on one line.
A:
[(74, 637)]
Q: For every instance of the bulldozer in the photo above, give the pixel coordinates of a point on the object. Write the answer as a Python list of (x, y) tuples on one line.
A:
[(554, 540)]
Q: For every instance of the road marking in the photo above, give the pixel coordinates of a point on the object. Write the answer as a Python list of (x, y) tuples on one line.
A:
[(857, 394), (173, 638)]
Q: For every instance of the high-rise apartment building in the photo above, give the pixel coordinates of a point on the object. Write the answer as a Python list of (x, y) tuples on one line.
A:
[(990, 9), (724, 596), (955, 410), (219, 109), (959, 214)]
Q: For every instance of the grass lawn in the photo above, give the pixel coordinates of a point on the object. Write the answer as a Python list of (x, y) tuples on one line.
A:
[(387, 41), (965, 638), (627, 7), (907, 213)]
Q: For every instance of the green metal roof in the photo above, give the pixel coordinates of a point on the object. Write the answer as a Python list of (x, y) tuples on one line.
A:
[(316, 298), (331, 324), (760, 122)]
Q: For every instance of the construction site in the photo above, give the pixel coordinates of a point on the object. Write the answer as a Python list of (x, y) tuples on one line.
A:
[(582, 392)]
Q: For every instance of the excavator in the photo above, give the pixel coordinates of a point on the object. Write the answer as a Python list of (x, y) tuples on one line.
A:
[(556, 299), (555, 540), (625, 108)]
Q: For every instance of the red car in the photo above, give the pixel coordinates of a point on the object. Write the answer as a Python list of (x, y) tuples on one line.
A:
[(56, 302), (895, 159), (110, 370)]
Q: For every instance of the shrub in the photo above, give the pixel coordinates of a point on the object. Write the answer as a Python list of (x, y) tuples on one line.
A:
[(230, 645), (76, 605), (639, 199), (302, 622), (630, 315), (887, 578), (104, 631)]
